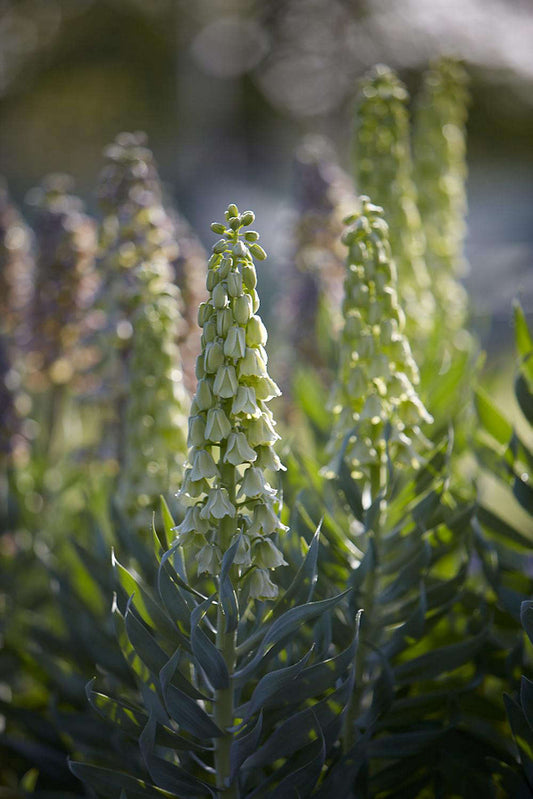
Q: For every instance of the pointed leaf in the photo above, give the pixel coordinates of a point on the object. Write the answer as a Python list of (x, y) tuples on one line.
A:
[(205, 651), (283, 627), (492, 420), (245, 745), (108, 782)]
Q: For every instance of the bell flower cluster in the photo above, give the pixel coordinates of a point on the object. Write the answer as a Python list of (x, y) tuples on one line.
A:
[(155, 442), (374, 396), (65, 285), (148, 394), (231, 429), (384, 172), (137, 245), (439, 147)]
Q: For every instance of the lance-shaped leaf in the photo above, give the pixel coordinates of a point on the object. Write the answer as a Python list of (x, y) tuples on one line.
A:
[(245, 745), (207, 655), (165, 774), (108, 782), (283, 627)]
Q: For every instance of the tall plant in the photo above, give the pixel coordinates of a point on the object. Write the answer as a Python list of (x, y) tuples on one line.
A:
[(439, 151), (143, 377), (234, 699)]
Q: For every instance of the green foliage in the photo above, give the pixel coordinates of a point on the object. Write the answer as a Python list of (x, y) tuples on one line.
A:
[(355, 630)]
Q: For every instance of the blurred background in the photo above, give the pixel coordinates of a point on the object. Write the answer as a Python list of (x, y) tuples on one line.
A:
[(225, 90)]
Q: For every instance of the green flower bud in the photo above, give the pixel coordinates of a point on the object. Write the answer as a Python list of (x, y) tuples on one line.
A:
[(218, 425), (256, 333), (251, 235), (249, 276), (214, 356), (204, 312), (218, 227), (235, 344), (261, 586), (247, 218), (213, 261), (210, 331), (220, 246), (196, 437), (224, 268), (232, 210), (211, 280), (240, 250), (204, 395), (245, 402), (220, 297), (266, 555), (204, 466), (224, 321), (218, 505), (200, 368), (235, 284), (242, 309), (226, 384), (258, 252), (238, 450)]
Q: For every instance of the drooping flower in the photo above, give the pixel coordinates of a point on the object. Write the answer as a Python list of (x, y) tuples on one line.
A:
[(232, 430)]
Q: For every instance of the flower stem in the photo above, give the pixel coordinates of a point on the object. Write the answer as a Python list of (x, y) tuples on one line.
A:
[(224, 714), (378, 478)]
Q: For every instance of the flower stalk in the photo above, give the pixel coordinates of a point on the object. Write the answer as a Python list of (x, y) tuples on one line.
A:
[(376, 407), (231, 437), (384, 172), (439, 149)]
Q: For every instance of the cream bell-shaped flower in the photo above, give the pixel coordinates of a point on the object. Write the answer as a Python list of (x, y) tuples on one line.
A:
[(231, 429)]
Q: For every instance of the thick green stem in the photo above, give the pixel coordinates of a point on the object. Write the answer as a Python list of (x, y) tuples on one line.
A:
[(224, 711), (378, 477)]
